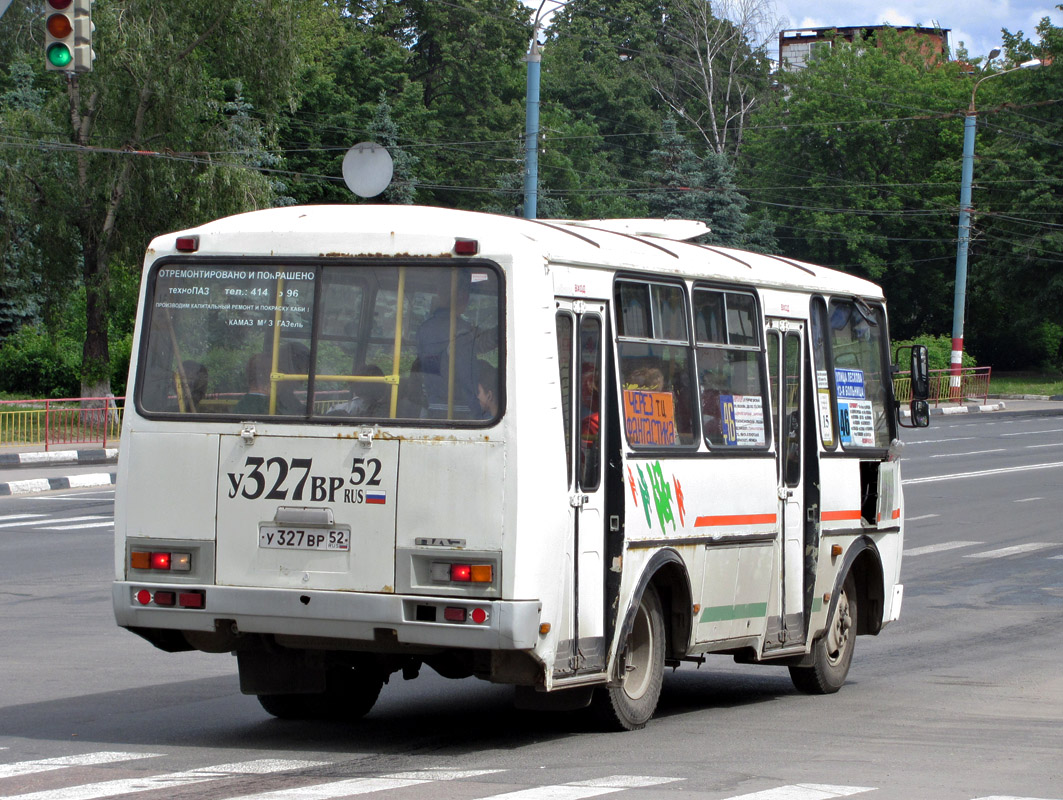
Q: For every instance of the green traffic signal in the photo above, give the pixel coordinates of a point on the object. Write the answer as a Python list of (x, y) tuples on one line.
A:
[(59, 55)]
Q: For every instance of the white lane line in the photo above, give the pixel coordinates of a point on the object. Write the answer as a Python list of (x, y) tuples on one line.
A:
[(938, 548), (943, 441), (90, 518), (578, 790), (93, 791), (355, 786), (1028, 499), (983, 473), (1033, 433), (1003, 552), (1035, 446), (925, 516), (19, 516), (79, 527), (1009, 797), (971, 453), (805, 791), (49, 764)]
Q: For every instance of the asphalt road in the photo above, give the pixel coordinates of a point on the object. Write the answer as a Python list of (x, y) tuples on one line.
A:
[(960, 699)]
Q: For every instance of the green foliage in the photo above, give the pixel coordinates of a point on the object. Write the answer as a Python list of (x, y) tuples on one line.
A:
[(35, 363), (939, 349)]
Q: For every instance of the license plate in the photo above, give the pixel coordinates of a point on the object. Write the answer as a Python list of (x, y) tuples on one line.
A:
[(277, 538)]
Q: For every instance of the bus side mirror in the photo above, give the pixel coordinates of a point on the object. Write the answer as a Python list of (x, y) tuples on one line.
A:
[(919, 409), (920, 372)]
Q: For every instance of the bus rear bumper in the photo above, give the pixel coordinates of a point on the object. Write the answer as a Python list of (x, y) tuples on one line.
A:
[(347, 616)]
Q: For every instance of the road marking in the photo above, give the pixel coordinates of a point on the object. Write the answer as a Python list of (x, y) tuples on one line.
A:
[(1028, 499), (925, 516), (578, 790), (353, 786), (49, 764), (79, 527), (942, 441), (938, 548), (971, 453), (1033, 433), (20, 516), (959, 475), (805, 791), (1009, 797), (1012, 551), (1035, 446), (93, 791)]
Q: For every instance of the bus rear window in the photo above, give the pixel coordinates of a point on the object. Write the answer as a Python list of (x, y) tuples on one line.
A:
[(337, 341)]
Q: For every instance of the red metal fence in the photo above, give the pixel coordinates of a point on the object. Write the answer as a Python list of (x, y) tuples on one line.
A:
[(974, 385), (75, 420)]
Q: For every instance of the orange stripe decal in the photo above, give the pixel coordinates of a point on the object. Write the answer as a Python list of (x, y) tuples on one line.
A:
[(834, 516), (896, 513), (735, 519)]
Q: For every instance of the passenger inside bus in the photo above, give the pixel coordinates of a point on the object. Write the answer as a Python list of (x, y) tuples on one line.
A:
[(256, 399), (434, 353), (487, 389)]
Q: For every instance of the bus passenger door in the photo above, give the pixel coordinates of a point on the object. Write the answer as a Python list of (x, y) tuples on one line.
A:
[(580, 326), (786, 370)]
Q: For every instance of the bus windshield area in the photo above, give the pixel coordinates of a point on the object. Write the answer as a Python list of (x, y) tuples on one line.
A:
[(351, 341)]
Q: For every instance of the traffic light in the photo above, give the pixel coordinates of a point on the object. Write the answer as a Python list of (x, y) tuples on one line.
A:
[(68, 35)]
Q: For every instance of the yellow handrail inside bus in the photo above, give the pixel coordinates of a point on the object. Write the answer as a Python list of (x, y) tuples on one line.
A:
[(397, 352), (453, 337)]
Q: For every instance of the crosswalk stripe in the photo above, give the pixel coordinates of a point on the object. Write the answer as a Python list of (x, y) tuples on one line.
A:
[(1012, 551), (356, 786), (86, 760), (78, 527), (115, 788), (805, 791), (578, 790), (938, 548)]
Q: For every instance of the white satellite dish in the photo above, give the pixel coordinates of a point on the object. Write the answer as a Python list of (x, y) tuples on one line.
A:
[(367, 169)]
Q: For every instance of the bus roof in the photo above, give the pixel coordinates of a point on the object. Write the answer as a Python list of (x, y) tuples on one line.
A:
[(424, 231)]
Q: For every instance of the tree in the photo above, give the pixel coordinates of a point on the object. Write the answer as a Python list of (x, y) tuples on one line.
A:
[(858, 160), (162, 83), (1015, 274), (712, 65), (384, 131)]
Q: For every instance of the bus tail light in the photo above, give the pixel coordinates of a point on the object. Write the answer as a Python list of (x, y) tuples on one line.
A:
[(463, 573), (458, 614), (169, 599), (160, 560)]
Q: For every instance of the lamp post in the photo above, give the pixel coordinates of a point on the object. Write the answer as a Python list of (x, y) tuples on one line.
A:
[(963, 242)]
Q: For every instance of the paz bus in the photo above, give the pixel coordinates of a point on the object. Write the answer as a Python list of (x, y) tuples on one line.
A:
[(553, 454)]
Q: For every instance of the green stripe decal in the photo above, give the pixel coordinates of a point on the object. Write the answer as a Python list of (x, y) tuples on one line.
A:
[(743, 611), (817, 604)]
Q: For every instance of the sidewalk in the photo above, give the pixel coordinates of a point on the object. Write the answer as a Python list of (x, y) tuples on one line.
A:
[(63, 468)]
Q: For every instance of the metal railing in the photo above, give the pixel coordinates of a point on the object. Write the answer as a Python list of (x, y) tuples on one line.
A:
[(974, 385), (73, 420)]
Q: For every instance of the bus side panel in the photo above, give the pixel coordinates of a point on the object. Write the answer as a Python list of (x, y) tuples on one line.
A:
[(185, 464)]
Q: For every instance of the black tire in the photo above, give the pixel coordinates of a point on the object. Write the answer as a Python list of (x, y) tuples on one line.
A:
[(631, 705), (349, 695), (832, 652)]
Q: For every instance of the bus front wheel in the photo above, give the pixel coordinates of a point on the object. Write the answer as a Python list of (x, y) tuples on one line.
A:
[(833, 651), (349, 695), (630, 705)]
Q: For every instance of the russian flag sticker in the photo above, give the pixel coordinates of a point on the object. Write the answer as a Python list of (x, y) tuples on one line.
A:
[(376, 497)]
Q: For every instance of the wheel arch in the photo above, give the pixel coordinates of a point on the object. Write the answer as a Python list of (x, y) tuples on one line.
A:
[(667, 573), (865, 564)]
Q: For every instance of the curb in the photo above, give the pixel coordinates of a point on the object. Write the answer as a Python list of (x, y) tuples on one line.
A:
[(57, 457), (967, 409), (37, 485)]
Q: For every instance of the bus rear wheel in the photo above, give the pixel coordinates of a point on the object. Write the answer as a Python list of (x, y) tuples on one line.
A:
[(833, 651), (630, 705), (349, 694)]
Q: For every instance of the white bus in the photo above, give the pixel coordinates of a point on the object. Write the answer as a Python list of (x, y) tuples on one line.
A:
[(559, 455)]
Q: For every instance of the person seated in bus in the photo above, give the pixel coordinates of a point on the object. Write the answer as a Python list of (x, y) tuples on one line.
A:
[(434, 353), (196, 378), (487, 389), (646, 379), (368, 398), (412, 403), (256, 399)]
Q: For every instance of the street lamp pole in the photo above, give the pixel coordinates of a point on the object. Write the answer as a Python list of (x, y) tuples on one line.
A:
[(963, 242)]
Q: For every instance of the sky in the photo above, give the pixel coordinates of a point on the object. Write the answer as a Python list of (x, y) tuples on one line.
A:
[(976, 23)]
